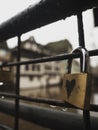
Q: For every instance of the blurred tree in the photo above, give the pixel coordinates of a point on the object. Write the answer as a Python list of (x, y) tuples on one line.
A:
[(58, 47)]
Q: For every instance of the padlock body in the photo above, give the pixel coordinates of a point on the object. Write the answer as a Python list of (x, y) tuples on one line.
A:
[(76, 89)]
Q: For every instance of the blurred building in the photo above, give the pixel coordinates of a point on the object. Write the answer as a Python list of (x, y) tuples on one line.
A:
[(44, 75), (32, 74)]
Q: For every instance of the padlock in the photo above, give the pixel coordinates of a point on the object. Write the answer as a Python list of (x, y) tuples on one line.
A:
[(76, 86)]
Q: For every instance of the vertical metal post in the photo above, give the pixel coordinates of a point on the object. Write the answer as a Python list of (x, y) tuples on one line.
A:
[(80, 29), (16, 125), (86, 113)]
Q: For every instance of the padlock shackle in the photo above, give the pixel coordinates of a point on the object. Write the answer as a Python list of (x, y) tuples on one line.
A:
[(83, 60)]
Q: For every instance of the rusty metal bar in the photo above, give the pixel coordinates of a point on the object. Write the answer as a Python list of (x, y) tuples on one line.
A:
[(80, 29), (45, 101), (53, 119), (86, 113), (43, 13), (17, 86), (51, 58)]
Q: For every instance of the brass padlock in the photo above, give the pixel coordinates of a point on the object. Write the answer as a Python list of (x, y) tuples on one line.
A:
[(76, 86)]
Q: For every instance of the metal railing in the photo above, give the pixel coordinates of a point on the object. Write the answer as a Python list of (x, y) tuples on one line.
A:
[(45, 12)]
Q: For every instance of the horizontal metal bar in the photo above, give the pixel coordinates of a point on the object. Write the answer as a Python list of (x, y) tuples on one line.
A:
[(43, 13), (49, 118), (37, 100), (48, 101), (4, 127), (49, 59)]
